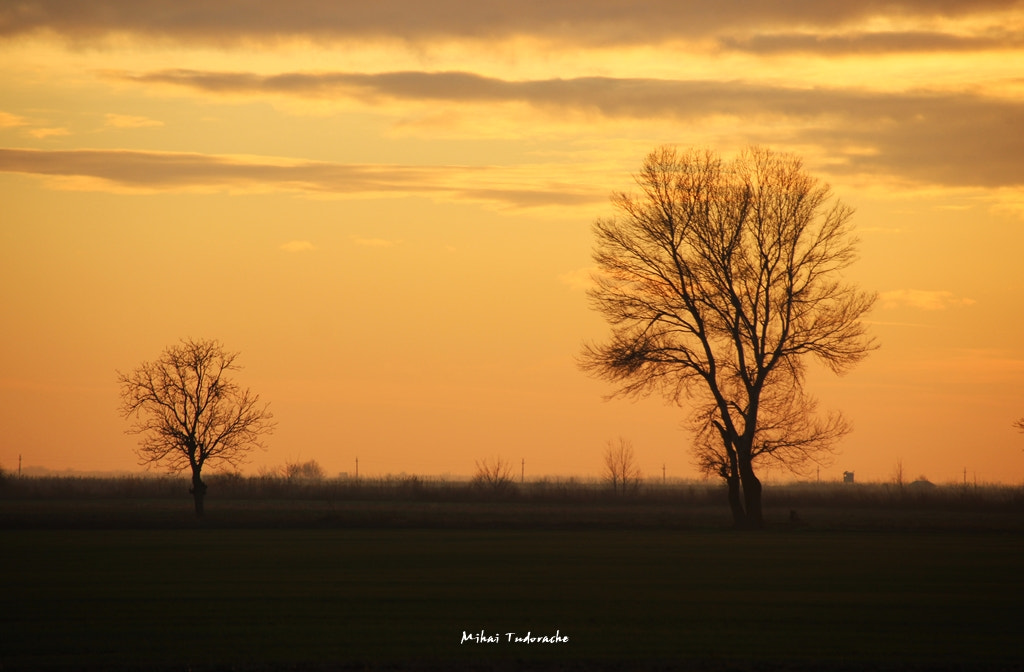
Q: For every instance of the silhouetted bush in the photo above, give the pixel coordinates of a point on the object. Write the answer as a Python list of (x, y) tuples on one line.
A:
[(305, 471)]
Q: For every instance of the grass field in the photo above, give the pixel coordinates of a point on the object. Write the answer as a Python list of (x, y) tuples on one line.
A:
[(280, 599), (119, 574)]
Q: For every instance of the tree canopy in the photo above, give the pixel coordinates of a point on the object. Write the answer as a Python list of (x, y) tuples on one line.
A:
[(189, 411)]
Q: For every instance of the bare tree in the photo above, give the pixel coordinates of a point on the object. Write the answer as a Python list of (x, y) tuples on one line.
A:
[(719, 280), (897, 475), (190, 413), (1019, 424), (304, 471), (620, 468), (494, 474)]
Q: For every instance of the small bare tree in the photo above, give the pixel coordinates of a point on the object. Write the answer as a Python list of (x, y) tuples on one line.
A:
[(304, 471), (620, 468), (493, 474), (898, 477), (190, 413)]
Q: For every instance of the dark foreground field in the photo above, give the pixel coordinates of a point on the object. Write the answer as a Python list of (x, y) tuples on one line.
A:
[(253, 591), (280, 599)]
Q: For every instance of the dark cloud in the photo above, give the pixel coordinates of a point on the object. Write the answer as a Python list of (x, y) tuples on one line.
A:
[(593, 22), (952, 138), (954, 142), (170, 172), (872, 43)]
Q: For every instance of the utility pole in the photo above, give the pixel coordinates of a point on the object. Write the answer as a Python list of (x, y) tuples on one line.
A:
[(522, 472), (663, 473), (19, 465), (357, 468)]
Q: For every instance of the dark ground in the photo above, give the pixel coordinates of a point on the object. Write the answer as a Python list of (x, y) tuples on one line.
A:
[(128, 584)]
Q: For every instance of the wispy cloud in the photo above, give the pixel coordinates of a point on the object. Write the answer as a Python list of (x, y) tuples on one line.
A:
[(48, 132), (873, 42), (922, 299), (298, 246), (130, 121), (952, 138), (8, 120), (122, 170)]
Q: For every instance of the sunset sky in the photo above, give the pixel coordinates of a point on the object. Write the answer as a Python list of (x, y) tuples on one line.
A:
[(386, 208)]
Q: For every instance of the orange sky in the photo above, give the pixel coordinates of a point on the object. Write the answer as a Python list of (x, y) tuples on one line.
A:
[(386, 209)]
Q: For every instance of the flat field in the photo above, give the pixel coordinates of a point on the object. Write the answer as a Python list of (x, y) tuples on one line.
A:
[(394, 597)]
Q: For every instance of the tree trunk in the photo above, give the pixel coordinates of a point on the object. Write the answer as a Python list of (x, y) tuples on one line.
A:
[(744, 465), (739, 516), (198, 491), (752, 498), (730, 473)]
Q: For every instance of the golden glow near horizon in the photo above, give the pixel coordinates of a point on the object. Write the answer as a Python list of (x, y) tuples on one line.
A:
[(387, 211)]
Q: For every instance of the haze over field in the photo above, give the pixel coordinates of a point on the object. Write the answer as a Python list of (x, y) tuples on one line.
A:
[(387, 208)]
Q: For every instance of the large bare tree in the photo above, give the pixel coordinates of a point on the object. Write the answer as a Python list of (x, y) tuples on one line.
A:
[(190, 413), (720, 279)]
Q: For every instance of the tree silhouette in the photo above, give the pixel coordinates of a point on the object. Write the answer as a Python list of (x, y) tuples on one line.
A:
[(719, 279), (494, 475), (304, 471), (620, 468), (190, 413)]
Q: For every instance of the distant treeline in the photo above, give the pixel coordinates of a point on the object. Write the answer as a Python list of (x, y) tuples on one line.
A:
[(404, 488)]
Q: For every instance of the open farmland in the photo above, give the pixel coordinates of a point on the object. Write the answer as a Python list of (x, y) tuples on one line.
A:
[(411, 501), (291, 584)]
